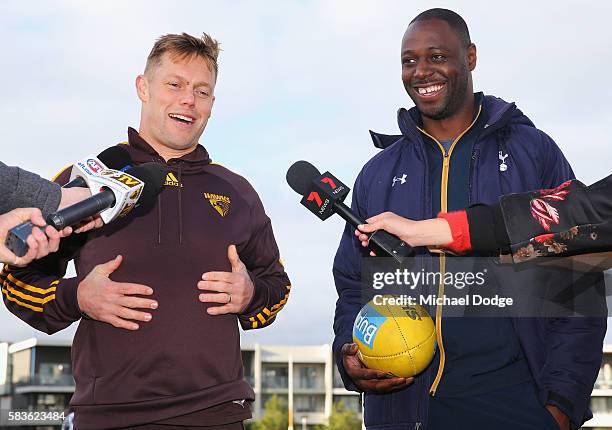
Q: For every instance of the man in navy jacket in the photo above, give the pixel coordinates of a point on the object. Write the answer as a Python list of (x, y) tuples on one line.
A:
[(458, 148)]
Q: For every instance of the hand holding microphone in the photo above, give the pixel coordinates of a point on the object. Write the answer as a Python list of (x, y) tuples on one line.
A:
[(43, 239), (40, 243), (118, 193), (324, 194), (434, 232)]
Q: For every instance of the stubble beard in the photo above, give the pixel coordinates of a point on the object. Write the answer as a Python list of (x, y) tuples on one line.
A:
[(455, 96)]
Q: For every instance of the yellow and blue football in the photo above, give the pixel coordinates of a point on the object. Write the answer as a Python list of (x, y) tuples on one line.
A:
[(399, 340)]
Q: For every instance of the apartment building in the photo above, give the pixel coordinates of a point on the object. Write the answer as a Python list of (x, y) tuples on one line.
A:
[(601, 398), (36, 376), (305, 377), (35, 383)]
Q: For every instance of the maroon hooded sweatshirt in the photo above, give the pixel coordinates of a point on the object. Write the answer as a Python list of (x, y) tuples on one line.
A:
[(184, 366)]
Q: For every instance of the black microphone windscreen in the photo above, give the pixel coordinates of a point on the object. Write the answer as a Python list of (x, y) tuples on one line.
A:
[(300, 175), (115, 157), (153, 175)]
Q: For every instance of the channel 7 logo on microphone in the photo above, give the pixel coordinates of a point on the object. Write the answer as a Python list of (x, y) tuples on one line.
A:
[(323, 193)]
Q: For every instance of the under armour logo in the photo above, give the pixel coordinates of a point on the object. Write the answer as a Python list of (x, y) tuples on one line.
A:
[(503, 166), (402, 180)]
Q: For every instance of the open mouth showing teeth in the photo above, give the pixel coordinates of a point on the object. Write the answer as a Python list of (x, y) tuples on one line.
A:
[(181, 118), (430, 90)]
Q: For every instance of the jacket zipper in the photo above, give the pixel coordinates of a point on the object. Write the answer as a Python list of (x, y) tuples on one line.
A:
[(444, 208)]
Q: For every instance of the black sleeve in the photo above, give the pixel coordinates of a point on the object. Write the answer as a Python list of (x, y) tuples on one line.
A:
[(487, 229), (570, 219)]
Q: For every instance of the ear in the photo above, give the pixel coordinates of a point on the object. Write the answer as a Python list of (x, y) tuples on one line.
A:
[(471, 57), (142, 88), (212, 104)]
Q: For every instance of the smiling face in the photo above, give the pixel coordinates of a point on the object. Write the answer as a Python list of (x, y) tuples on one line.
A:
[(436, 68), (177, 99)]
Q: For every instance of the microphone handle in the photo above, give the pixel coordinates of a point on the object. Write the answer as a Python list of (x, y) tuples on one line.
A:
[(76, 182), (347, 214), (81, 210), (381, 242)]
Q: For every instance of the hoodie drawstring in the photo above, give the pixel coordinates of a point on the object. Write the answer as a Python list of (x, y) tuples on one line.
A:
[(159, 207), (159, 218), (180, 205)]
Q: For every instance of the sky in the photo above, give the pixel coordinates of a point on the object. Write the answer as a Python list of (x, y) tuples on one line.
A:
[(297, 80)]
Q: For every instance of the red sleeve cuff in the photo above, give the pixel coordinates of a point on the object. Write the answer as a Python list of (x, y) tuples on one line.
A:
[(460, 231)]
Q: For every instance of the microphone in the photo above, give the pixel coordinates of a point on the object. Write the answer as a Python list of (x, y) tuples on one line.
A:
[(119, 192), (324, 194), (115, 157)]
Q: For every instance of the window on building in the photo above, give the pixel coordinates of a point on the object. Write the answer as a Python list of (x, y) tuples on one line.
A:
[(309, 376), (337, 378), (51, 402), (55, 374), (248, 362), (601, 405), (352, 402), (604, 378), (309, 403), (275, 375)]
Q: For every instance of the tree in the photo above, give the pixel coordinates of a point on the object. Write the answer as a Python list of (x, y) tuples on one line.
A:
[(275, 415), (342, 418)]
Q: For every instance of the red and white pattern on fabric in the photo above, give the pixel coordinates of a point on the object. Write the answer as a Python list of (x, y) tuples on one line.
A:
[(544, 213), (557, 193)]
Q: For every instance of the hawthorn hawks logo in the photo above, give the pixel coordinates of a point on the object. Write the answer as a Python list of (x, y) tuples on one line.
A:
[(220, 203)]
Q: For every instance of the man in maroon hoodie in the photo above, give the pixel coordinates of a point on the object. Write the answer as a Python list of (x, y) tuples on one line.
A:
[(201, 260)]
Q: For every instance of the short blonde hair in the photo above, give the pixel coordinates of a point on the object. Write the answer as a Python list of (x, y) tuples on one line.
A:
[(183, 46)]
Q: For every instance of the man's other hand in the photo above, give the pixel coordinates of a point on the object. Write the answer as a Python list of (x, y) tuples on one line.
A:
[(234, 289), (74, 195), (370, 380), (114, 302), (39, 244)]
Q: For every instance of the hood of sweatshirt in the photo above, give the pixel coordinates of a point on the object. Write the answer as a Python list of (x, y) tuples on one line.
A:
[(142, 152), (498, 113), (189, 164)]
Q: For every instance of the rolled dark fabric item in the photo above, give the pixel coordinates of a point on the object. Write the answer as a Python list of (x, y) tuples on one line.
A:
[(568, 220)]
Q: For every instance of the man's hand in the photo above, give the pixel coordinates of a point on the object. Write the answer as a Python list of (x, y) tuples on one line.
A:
[(234, 289), (369, 379), (562, 419), (39, 244), (114, 302), (89, 224), (74, 195)]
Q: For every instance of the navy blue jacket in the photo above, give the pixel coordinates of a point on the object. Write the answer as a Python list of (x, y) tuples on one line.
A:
[(564, 354)]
